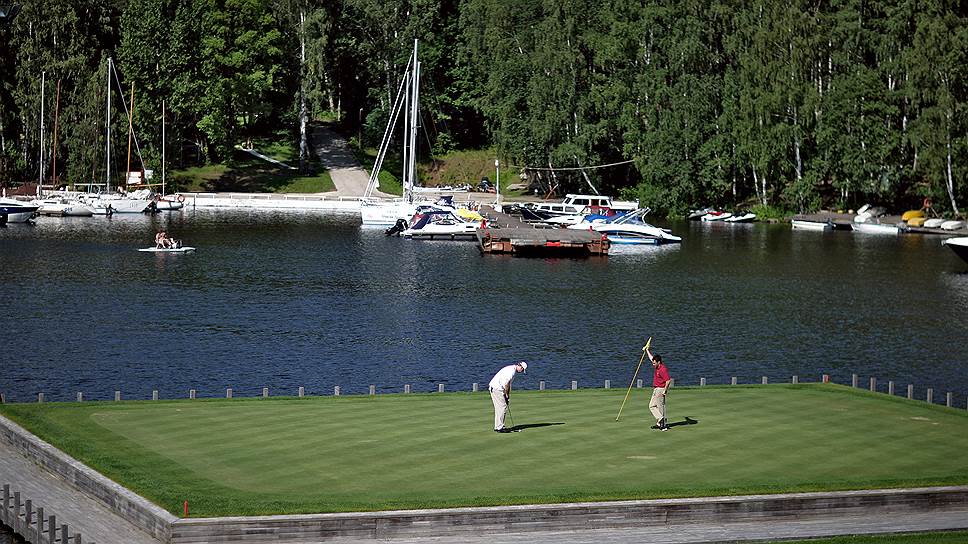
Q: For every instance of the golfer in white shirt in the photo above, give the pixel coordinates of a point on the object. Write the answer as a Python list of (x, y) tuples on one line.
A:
[(500, 388)]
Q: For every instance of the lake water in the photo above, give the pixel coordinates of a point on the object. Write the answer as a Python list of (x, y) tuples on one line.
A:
[(284, 299)]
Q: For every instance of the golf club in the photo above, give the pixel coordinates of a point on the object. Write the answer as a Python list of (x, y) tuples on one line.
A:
[(627, 393), (510, 416)]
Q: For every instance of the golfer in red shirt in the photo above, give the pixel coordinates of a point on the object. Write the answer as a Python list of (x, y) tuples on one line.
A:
[(660, 383)]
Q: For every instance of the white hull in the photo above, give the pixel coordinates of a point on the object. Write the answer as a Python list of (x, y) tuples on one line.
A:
[(952, 225), (20, 217), (809, 225), (717, 217), (875, 228), (186, 249), (745, 218), (933, 223), (386, 214), (166, 205), (127, 205)]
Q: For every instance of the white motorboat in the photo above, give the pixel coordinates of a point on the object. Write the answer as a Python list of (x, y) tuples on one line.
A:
[(169, 203), (15, 211), (716, 216), (800, 224), (631, 228), (876, 228), (959, 246), (435, 223), (741, 218)]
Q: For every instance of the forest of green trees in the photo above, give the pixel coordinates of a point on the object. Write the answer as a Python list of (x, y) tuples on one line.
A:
[(794, 105)]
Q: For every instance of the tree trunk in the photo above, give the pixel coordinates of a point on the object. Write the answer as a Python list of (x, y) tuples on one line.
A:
[(949, 179), (303, 113)]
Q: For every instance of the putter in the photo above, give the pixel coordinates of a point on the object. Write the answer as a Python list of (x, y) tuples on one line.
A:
[(511, 428)]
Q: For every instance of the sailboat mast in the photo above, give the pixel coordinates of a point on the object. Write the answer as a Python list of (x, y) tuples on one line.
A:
[(53, 146), (162, 147), (107, 153), (40, 177), (127, 175), (414, 102)]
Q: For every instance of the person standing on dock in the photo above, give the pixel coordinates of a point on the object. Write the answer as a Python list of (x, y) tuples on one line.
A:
[(660, 384), (500, 387)]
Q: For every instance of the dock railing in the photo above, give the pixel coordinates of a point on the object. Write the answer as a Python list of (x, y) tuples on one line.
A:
[(32, 523)]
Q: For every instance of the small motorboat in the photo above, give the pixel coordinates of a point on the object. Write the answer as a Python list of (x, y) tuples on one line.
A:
[(435, 223), (876, 228), (716, 216), (741, 217), (800, 224), (64, 207), (959, 246), (169, 202), (15, 211), (631, 229)]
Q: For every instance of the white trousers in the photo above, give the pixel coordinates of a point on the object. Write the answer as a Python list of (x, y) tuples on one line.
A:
[(500, 408), (657, 405)]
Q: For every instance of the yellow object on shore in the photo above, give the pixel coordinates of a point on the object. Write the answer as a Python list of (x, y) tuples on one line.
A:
[(911, 214), (469, 215), (916, 221)]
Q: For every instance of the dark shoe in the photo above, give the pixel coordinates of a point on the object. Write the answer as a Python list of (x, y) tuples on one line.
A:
[(505, 430), (657, 426)]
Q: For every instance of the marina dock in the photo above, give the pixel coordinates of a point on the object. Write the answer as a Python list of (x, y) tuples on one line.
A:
[(511, 236)]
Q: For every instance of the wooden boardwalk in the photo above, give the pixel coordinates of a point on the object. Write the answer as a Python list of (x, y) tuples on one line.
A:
[(84, 515)]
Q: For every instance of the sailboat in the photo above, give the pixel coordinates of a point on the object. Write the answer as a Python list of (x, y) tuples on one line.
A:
[(118, 202), (385, 213)]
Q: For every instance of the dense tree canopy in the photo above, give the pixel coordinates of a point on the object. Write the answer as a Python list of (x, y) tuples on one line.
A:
[(794, 105)]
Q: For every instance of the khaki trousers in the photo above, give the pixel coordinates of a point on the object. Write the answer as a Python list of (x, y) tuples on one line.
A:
[(658, 403), (500, 408)]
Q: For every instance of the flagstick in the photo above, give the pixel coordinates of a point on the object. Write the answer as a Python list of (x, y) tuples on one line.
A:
[(646, 347)]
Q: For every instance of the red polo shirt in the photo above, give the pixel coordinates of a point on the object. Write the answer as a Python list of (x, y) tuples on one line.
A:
[(661, 376)]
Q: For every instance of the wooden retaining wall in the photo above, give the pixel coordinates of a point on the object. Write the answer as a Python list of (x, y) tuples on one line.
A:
[(141, 513), (565, 517)]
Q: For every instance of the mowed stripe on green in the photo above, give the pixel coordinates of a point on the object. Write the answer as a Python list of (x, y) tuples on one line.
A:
[(261, 456)]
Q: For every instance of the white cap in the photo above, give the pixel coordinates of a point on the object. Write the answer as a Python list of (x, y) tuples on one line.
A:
[(523, 364)]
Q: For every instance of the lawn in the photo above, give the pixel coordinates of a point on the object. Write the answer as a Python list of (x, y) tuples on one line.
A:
[(321, 454), (246, 173)]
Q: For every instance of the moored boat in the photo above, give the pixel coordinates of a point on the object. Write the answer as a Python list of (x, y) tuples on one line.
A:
[(716, 216), (631, 229), (801, 224), (952, 225), (444, 224), (740, 217), (15, 211), (959, 246)]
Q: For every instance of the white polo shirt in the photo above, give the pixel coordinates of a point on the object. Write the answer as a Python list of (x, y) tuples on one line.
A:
[(502, 380)]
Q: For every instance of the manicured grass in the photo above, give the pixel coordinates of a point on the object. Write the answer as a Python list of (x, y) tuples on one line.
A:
[(287, 455), (954, 537)]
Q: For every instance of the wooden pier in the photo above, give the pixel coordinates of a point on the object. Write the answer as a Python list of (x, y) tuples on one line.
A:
[(511, 236)]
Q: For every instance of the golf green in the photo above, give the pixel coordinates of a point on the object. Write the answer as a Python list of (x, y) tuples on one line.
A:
[(324, 454)]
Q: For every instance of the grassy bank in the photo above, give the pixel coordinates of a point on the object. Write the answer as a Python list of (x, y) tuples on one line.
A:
[(247, 173), (286, 455)]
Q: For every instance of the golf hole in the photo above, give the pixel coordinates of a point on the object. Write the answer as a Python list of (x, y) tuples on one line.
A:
[(642, 457)]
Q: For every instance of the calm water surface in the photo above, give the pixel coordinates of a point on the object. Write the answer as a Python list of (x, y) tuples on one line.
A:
[(283, 300)]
